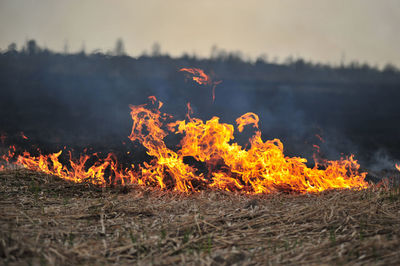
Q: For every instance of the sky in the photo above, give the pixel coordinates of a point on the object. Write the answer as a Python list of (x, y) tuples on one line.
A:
[(326, 31)]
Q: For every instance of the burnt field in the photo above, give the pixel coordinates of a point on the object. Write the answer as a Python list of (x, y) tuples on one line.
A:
[(46, 220)]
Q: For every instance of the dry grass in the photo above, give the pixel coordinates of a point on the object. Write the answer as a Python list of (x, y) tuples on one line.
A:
[(44, 220)]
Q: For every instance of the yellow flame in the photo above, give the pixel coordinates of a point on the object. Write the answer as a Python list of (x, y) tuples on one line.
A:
[(262, 168)]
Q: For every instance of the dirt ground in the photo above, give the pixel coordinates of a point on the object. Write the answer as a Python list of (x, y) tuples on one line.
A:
[(46, 221)]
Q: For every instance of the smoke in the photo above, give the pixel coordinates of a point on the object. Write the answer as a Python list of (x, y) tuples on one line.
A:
[(381, 160)]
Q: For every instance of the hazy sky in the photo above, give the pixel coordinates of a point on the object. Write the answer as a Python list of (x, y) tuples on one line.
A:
[(320, 30)]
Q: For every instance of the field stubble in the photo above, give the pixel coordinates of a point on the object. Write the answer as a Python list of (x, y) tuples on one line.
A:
[(45, 220)]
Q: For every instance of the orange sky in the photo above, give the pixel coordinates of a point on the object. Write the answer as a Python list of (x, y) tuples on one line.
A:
[(320, 30)]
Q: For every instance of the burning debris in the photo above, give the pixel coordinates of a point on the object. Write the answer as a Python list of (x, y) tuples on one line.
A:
[(262, 168), (23, 136), (202, 78)]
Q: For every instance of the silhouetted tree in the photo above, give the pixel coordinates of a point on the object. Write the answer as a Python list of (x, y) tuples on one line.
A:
[(119, 48), (12, 47), (156, 49), (83, 50), (32, 47), (66, 47), (262, 59), (235, 57), (299, 64), (214, 52), (289, 60), (390, 69)]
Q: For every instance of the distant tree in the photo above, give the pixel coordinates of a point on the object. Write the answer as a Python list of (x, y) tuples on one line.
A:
[(156, 49), (66, 47), (144, 53), (12, 47), (119, 48), (32, 47), (289, 60), (214, 52), (83, 50), (221, 54), (390, 69), (235, 57), (262, 59), (354, 65), (299, 64), (343, 60)]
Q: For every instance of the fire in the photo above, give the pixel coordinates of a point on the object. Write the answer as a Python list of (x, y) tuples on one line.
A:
[(189, 110), (3, 138), (198, 75), (247, 119), (398, 167), (7, 157), (221, 163), (202, 78), (262, 168), (23, 135), (320, 138), (79, 172)]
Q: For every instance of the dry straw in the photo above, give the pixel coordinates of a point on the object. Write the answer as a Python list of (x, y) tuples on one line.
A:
[(45, 220)]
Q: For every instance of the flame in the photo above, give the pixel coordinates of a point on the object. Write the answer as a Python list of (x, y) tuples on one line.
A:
[(198, 75), (189, 110), (3, 138), (398, 167), (167, 169), (247, 119), (320, 138), (7, 157), (202, 78), (10, 154), (263, 168), (23, 135), (79, 171)]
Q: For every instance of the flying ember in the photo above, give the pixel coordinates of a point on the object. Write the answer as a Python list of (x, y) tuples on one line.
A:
[(201, 78)]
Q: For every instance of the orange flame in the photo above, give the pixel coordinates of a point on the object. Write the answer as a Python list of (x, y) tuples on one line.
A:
[(202, 78), (398, 167), (198, 75), (319, 137), (189, 110), (23, 135), (247, 119), (263, 168), (7, 157), (79, 172), (3, 138)]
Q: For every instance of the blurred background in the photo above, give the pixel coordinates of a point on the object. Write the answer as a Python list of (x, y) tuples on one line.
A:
[(315, 71)]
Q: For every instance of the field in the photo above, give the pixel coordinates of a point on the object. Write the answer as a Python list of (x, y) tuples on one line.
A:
[(45, 221)]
